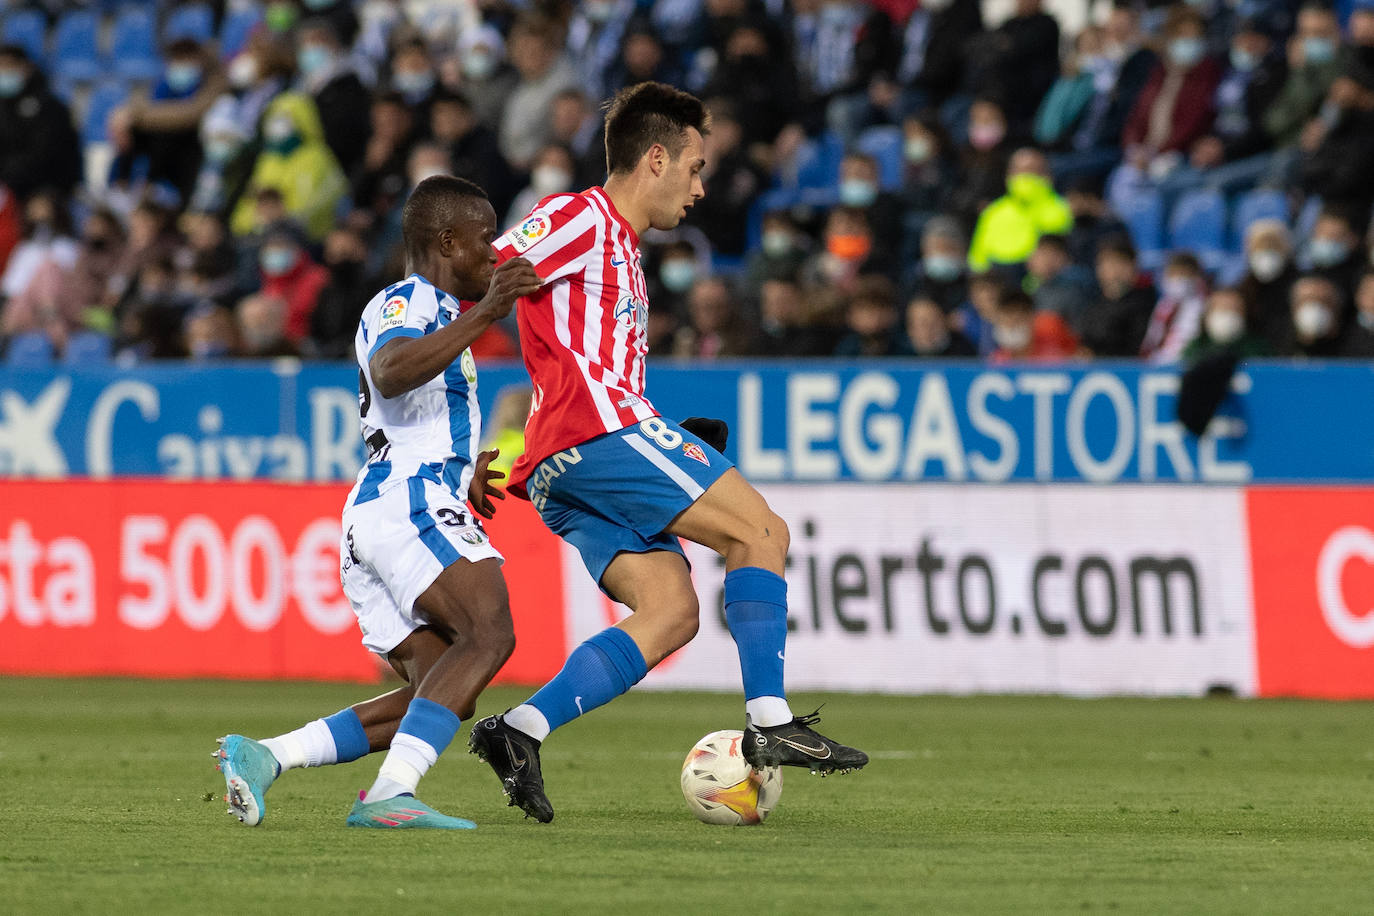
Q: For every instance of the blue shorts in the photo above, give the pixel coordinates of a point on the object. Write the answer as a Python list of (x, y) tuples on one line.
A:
[(618, 492)]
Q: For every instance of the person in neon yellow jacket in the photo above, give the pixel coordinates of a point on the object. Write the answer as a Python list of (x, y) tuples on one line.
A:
[(1009, 227), (295, 161)]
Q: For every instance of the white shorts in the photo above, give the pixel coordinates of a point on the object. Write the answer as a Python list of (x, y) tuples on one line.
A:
[(395, 546)]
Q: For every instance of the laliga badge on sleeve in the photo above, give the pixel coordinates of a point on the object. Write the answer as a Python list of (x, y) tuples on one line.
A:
[(393, 314), (523, 236)]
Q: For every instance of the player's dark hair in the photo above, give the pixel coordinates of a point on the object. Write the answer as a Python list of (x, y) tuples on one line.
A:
[(647, 113), (429, 210)]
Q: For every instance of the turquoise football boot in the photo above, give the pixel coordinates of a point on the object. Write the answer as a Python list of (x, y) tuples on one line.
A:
[(248, 768), (401, 813)]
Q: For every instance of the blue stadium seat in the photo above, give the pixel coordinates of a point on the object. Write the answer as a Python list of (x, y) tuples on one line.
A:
[(1262, 203), (818, 161), (29, 30), (104, 99), (1198, 224), (238, 25), (30, 350), (884, 143), (86, 348), (76, 48), (1142, 210), (133, 45), (192, 20)]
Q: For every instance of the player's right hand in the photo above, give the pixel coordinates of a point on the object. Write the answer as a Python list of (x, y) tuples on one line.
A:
[(511, 280)]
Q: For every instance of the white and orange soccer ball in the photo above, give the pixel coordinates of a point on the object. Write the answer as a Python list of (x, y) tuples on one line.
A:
[(721, 788)]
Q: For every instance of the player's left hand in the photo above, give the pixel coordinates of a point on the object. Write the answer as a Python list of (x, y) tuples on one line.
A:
[(483, 489), (715, 433)]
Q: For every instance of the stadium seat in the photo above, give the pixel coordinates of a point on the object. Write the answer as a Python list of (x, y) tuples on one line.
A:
[(30, 350), (192, 20), (86, 348), (818, 162), (1262, 203), (238, 25), (1142, 210), (104, 98), (884, 143), (29, 30), (1198, 224), (133, 45), (76, 48)]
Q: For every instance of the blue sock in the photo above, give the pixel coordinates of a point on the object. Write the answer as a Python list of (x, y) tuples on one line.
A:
[(433, 724), (598, 671), (350, 740), (756, 612)]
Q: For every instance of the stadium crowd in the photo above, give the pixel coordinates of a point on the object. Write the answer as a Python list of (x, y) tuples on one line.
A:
[(895, 178)]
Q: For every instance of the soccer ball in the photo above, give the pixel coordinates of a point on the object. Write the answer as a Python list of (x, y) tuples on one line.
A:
[(721, 788)]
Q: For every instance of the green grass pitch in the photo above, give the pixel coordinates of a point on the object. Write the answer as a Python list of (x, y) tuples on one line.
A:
[(109, 802)]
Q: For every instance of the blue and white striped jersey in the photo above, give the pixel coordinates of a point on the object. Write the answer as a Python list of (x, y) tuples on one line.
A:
[(431, 430)]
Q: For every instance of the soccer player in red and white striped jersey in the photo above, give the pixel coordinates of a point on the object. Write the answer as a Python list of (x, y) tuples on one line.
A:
[(619, 482)]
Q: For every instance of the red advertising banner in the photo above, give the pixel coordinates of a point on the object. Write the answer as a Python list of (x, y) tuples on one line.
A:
[(238, 580), (1312, 555)]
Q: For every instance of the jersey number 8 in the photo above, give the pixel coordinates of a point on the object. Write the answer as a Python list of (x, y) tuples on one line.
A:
[(664, 436)]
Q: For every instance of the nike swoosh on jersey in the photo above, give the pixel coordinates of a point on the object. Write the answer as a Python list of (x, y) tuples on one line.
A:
[(820, 752), (617, 263)]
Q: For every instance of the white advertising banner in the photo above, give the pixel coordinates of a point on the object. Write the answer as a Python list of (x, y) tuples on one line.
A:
[(1025, 588)]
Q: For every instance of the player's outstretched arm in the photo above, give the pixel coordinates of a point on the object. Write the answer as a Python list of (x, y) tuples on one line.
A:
[(406, 363), (482, 488)]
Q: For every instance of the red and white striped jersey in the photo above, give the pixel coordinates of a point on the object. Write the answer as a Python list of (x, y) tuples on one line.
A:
[(583, 334)]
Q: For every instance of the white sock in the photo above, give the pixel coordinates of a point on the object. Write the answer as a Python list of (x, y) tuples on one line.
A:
[(408, 760), (311, 745), (528, 720), (766, 712)]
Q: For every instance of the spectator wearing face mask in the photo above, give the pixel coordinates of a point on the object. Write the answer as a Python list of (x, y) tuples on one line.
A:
[(38, 145), (860, 186), (289, 274), (1176, 107), (942, 269), (1333, 251), (1115, 324), (871, 320), (929, 335), (1316, 311), (1069, 98), (334, 320), (1339, 148), (1358, 341), (261, 322), (781, 252), (297, 163), (975, 318), (757, 77), (1269, 275), (1226, 328), (413, 78), (595, 33), (1010, 226), (1093, 220), (1178, 313), (58, 287), (1026, 335), (536, 52), (487, 79), (46, 240), (785, 327), (227, 163), (1055, 282), (211, 334), (552, 173), (982, 160), (1315, 59), (930, 172), (326, 72), (848, 246)]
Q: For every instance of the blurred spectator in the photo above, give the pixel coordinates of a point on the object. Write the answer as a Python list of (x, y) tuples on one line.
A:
[(210, 252), (848, 45), (413, 78), (11, 225), (380, 180), (929, 334), (930, 172), (211, 333), (551, 173), (151, 313), (296, 162), (661, 330), (759, 79), (1177, 315), (643, 57), (38, 144), (1333, 250), (261, 321), (1339, 146), (677, 271), (714, 327), (1358, 342), (227, 163), (1176, 107), (1023, 334), (847, 253), (974, 318), (860, 187), (334, 320), (164, 124), (785, 329), (1069, 98), (782, 251), (871, 320), (1018, 62), (734, 180), (595, 35), (982, 160), (1314, 61), (1226, 328), (1269, 275), (69, 291), (289, 274), (576, 125), (941, 272), (472, 148), (932, 61), (1093, 220), (544, 73), (1316, 310), (339, 14), (329, 76), (1055, 282), (46, 239), (1115, 324), (1009, 227), (488, 80)]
